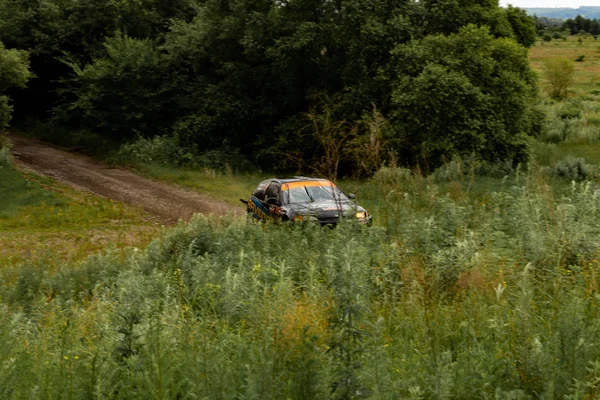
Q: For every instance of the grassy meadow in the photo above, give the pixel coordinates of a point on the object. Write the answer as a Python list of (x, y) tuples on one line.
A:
[(41, 219), (575, 124), (473, 283)]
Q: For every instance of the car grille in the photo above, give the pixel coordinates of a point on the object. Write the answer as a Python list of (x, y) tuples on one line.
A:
[(325, 221), (328, 217)]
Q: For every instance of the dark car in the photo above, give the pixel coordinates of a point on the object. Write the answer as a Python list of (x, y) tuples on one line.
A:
[(302, 199)]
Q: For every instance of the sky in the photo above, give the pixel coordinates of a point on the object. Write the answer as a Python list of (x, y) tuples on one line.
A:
[(550, 3)]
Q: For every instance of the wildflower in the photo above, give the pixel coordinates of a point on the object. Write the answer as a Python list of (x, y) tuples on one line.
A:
[(66, 357)]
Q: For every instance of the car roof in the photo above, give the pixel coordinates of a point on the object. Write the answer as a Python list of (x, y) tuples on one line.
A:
[(298, 179)]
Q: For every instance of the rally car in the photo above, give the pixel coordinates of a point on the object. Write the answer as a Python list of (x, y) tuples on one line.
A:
[(302, 199)]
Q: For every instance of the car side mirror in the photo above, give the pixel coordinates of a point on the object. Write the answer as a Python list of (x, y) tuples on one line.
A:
[(351, 196)]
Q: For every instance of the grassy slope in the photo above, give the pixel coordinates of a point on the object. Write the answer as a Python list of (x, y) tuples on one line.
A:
[(41, 218), (224, 187)]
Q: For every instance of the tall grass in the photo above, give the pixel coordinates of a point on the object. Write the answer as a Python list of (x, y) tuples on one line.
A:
[(453, 294), (480, 281)]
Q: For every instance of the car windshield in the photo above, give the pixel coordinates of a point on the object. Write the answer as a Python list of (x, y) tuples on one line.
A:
[(309, 193)]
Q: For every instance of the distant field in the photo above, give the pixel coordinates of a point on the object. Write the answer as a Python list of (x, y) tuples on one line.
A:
[(587, 76), (584, 95)]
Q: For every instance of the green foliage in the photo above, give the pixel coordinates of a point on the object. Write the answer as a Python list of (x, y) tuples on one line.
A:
[(559, 74), (452, 294), (523, 25), (5, 157), (121, 95), (14, 72), (458, 85), (5, 112), (580, 58), (572, 169), (14, 68), (171, 152), (392, 176), (50, 28), (242, 74)]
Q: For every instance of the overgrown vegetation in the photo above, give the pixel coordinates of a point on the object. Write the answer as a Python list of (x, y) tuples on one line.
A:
[(478, 280), (454, 294)]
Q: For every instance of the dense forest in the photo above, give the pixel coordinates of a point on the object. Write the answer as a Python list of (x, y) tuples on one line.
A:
[(284, 84), (581, 24)]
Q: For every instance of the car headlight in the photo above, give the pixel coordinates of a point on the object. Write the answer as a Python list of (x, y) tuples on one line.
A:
[(361, 215)]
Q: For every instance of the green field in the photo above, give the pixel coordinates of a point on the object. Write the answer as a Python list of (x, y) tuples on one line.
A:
[(470, 285), (41, 219)]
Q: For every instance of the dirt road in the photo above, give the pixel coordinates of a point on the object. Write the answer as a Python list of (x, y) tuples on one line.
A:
[(169, 203)]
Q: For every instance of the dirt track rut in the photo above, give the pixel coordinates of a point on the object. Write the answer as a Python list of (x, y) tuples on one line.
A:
[(169, 203)]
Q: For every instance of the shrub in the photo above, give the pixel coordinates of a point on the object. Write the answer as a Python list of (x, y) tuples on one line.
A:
[(392, 176), (571, 168), (169, 151), (164, 150), (451, 171), (5, 155), (5, 158), (545, 153), (560, 74), (457, 169), (580, 58), (570, 109)]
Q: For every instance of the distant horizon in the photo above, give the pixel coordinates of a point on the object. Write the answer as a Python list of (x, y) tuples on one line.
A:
[(549, 3)]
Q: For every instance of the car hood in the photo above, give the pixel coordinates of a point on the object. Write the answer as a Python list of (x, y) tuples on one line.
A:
[(323, 208)]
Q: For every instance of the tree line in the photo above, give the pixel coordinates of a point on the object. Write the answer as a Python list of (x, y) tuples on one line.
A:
[(286, 83), (558, 28), (580, 24)]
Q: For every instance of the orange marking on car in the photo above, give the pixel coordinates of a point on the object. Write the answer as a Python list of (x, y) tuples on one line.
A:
[(294, 185)]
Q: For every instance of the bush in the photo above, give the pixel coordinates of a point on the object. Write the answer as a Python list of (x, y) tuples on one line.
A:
[(456, 169), (164, 150), (560, 73), (563, 122), (5, 158), (392, 176), (545, 153), (580, 58), (571, 168), (451, 171), (169, 151), (5, 154), (570, 109)]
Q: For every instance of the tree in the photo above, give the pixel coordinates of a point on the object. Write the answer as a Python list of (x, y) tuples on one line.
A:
[(467, 93), (14, 72), (523, 26), (559, 73), (48, 29), (245, 73), (122, 95)]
